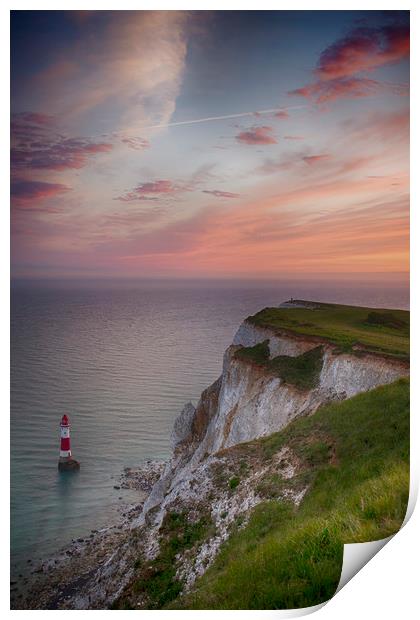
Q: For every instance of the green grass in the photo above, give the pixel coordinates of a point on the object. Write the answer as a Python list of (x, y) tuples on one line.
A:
[(387, 320), (302, 371), (355, 462), (382, 331), (258, 354)]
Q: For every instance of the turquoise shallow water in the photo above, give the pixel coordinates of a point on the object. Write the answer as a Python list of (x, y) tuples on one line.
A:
[(121, 362)]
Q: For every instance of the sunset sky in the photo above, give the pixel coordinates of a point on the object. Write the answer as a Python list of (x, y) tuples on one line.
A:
[(209, 144)]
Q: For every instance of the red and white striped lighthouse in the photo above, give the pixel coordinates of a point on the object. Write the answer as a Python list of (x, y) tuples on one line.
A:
[(66, 461), (65, 450)]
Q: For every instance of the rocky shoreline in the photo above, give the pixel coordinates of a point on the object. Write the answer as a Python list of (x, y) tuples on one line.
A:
[(96, 571), (52, 582)]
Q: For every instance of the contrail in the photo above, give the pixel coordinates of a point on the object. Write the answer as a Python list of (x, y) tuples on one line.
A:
[(226, 116)]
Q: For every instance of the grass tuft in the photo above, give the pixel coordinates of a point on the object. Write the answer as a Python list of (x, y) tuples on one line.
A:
[(233, 482), (259, 353), (302, 371)]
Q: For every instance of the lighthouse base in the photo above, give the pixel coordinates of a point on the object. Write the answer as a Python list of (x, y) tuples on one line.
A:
[(68, 464)]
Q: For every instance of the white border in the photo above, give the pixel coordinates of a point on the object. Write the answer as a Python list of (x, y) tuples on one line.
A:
[(387, 586)]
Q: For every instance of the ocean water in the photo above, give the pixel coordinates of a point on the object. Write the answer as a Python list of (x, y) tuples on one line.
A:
[(121, 362)]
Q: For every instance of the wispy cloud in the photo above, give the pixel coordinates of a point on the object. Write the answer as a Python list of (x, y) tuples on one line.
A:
[(349, 87), (130, 61), (293, 161), (359, 145), (220, 194), (32, 118), (36, 145), (281, 114), (151, 190), (314, 159), (164, 188), (28, 193), (63, 154), (136, 143), (257, 135)]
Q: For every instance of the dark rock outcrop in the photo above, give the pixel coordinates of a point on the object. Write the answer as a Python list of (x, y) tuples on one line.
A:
[(68, 465)]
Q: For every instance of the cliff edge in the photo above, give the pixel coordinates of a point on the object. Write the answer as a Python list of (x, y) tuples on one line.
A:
[(284, 363)]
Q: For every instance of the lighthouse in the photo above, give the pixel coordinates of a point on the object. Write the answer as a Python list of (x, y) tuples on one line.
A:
[(66, 462)]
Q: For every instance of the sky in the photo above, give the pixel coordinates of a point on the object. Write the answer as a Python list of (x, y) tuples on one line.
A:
[(206, 144)]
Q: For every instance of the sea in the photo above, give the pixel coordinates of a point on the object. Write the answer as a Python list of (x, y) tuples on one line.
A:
[(121, 359)]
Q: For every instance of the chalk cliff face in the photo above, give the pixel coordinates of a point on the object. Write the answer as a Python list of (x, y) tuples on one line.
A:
[(252, 403), (248, 402)]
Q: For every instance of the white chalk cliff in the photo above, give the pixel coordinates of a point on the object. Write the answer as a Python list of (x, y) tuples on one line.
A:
[(247, 402)]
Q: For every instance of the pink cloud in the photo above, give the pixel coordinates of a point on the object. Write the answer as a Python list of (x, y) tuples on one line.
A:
[(152, 190), (29, 126), (293, 137), (27, 193), (63, 154), (136, 143), (390, 127), (364, 49), (36, 146), (282, 114), (156, 190), (349, 88), (134, 196), (220, 194), (292, 161), (314, 159), (157, 187), (35, 118), (257, 135)]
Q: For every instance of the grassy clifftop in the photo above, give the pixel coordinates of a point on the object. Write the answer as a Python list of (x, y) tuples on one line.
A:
[(348, 327), (355, 457)]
